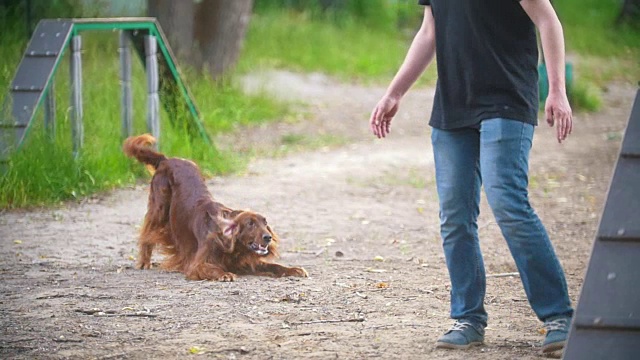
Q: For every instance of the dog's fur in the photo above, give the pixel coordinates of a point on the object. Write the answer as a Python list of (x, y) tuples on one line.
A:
[(200, 237)]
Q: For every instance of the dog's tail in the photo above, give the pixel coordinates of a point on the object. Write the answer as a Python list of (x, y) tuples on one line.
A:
[(139, 147)]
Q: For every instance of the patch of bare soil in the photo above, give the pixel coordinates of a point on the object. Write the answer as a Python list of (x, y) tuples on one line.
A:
[(361, 218)]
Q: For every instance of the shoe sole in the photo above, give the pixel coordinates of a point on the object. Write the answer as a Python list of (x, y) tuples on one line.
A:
[(553, 347), (445, 345)]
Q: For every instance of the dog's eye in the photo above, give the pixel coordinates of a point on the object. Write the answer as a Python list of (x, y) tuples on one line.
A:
[(251, 223)]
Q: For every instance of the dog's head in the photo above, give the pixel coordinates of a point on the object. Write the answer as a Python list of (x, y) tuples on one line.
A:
[(250, 231)]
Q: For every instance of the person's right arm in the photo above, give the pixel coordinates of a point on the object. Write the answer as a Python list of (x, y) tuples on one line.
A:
[(419, 55)]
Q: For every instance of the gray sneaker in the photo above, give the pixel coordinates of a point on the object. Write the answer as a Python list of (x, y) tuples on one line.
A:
[(462, 335), (557, 331)]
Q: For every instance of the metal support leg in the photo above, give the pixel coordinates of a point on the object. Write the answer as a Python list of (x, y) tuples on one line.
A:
[(125, 81), (77, 130), (50, 112), (153, 100)]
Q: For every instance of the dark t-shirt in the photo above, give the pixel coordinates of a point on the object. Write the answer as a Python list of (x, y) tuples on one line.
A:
[(487, 58)]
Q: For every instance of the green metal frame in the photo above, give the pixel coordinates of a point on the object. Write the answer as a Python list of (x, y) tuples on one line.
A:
[(146, 24), (151, 25)]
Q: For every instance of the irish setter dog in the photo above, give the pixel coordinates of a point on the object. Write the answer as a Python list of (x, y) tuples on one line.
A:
[(200, 237)]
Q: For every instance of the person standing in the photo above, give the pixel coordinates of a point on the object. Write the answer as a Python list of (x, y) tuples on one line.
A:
[(483, 119)]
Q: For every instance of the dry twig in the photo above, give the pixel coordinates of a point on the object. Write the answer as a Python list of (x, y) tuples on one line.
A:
[(326, 321), (503, 275)]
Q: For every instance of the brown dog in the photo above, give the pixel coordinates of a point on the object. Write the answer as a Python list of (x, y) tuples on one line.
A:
[(201, 238)]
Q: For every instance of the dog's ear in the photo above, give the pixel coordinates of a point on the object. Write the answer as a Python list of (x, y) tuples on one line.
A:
[(230, 230), (226, 237), (228, 226), (235, 213)]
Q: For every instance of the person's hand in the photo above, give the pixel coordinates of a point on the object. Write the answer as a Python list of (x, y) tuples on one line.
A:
[(558, 111), (382, 115)]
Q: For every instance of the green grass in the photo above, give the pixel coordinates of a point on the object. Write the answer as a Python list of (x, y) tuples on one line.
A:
[(44, 172), (361, 45), (585, 96), (607, 52), (590, 28), (347, 49)]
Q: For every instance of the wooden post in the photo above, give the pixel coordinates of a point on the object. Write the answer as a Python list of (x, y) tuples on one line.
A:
[(50, 112), (77, 130), (125, 81), (153, 100)]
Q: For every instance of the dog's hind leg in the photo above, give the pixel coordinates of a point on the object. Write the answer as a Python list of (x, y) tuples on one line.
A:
[(145, 250), (155, 228), (147, 243)]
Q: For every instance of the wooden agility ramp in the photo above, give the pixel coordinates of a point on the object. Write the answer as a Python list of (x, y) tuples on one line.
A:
[(606, 324), (32, 85)]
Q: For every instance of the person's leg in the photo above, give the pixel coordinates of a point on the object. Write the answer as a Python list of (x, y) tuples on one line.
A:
[(504, 162), (458, 183)]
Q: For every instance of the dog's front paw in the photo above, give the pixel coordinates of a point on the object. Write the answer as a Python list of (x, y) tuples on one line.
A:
[(297, 271), (143, 265), (227, 277)]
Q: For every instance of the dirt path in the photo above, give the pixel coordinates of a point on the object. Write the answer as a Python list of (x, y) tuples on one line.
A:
[(68, 288)]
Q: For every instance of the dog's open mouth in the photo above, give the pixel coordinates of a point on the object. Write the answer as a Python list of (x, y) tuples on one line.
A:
[(259, 249)]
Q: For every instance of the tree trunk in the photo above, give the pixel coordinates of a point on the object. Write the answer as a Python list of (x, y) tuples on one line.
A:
[(220, 28), (630, 12), (207, 34), (176, 20)]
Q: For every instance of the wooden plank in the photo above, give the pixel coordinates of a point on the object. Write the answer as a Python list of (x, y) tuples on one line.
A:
[(606, 322), (631, 143), (601, 344), (620, 218)]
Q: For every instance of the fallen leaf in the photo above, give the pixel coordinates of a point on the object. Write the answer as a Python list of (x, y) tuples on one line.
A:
[(375, 270), (196, 350), (378, 258), (382, 285), (18, 242), (542, 331), (129, 308)]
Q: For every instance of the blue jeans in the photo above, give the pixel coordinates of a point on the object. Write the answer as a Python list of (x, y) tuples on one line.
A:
[(495, 154)]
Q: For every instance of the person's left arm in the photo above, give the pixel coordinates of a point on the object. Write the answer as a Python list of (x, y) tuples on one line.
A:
[(557, 108)]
